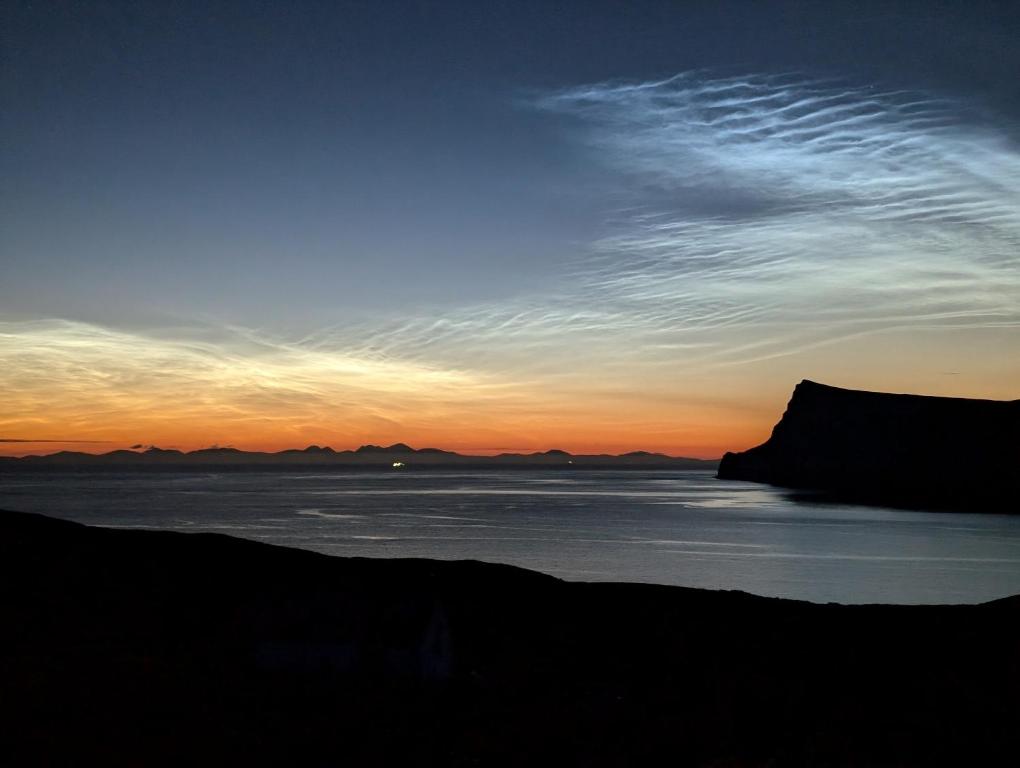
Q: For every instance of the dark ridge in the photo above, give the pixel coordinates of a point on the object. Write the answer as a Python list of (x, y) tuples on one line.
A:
[(153, 648), (119, 454), (68, 455), (894, 449), (395, 448), (313, 450), (317, 449), (315, 457)]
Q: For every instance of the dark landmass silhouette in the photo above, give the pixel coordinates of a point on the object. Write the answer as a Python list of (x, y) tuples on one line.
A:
[(892, 449), (155, 648), (317, 457)]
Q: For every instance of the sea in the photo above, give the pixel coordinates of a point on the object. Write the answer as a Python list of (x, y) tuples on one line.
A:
[(665, 527)]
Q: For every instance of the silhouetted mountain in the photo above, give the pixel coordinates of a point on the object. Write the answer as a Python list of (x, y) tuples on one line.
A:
[(395, 448), (154, 451), (120, 454), (127, 647), (311, 449), (365, 456), (903, 450)]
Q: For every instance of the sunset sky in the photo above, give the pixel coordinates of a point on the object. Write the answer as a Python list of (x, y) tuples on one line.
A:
[(489, 226)]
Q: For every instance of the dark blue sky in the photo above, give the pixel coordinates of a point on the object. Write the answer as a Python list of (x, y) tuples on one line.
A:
[(224, 157)]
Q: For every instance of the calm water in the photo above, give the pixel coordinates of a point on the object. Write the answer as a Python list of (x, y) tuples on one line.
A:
[(682, 528)]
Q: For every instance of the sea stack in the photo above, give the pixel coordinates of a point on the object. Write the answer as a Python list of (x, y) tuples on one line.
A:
[(897, 449)]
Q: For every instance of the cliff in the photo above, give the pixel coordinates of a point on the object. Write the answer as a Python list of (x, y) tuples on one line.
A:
[(128, 647), (905, 450)]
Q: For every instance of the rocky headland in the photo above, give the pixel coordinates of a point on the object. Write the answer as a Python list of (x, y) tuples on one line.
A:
[(896, 449)]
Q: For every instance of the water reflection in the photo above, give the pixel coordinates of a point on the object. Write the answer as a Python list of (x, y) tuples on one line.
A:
[(683, 528)]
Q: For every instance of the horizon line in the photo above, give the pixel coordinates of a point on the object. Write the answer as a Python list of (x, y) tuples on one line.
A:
[(398, 447)]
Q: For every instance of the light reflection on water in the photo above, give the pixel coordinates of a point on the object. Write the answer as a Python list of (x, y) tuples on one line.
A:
[(683, 528)]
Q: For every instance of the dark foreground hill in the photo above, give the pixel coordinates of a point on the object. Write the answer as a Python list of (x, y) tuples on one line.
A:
[(152, 648), (903, 450)]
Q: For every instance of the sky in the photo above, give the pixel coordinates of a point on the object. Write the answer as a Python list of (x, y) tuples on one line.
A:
[(498, 226)]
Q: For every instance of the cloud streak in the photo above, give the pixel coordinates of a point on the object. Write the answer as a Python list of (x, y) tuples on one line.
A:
[(29, 440), (69, 375), (770, 215)]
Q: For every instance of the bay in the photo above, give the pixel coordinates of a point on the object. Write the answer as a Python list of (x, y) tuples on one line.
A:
[(668, 527)]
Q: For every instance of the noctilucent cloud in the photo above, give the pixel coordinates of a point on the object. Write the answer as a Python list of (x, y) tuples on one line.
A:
[(495, 227)]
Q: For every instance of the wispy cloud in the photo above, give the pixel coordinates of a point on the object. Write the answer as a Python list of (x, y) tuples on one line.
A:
[(770, 215), (766, 216), (76, 376), (29, 440), (825, 210)]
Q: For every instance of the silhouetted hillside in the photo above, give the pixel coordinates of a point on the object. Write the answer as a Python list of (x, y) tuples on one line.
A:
[(150, 648), (911, 450)]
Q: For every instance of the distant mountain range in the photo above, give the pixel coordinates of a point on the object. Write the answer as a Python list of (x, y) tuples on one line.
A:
[(397, 456)]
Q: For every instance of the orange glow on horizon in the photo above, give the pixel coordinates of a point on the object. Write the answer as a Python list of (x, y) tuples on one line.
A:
[(64, 381), (487, 439)]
